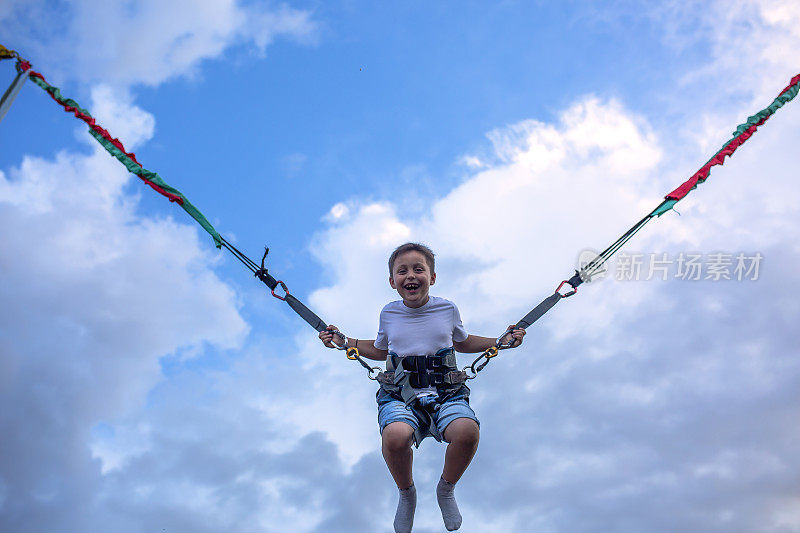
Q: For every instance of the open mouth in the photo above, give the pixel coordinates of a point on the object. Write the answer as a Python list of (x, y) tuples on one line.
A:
[(411, 286)]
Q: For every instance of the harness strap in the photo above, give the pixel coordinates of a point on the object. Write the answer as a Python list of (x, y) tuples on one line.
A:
[(447, 356), (453, 377)]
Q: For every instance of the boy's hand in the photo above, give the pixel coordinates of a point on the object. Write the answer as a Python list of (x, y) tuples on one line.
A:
[(513, 336), (327, 336)]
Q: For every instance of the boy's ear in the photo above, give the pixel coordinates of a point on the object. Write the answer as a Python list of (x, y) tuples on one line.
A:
[(433, 278), (391, 282)]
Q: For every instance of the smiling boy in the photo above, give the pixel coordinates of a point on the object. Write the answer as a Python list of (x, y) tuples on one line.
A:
[(417, 336)]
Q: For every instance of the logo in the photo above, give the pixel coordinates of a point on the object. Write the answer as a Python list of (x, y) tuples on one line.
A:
[(588, 267)]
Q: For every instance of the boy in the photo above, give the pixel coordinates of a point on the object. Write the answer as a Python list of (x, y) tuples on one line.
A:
[(417, 336)]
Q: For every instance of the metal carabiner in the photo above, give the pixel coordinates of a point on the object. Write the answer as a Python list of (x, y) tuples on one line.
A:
[(344, 345), (500, 345), (567, 294), (492, 351), (372, 371), (285, 289), (352, 354), (263, 274)]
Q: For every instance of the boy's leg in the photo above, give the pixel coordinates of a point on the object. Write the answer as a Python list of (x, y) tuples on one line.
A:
[(462, 435), (396, 441)]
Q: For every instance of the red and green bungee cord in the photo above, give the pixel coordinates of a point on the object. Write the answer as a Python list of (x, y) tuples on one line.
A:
[(743, 132), (115, 147)]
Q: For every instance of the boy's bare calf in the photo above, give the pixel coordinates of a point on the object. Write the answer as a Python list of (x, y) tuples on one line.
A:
[(463, 435)]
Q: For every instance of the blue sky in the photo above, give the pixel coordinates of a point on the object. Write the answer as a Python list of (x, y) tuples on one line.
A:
[(152, 383)]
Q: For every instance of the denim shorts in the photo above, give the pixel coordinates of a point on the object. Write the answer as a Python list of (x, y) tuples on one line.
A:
[(391, 409)]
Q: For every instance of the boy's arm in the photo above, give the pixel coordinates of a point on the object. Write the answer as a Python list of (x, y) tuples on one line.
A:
[(475, 343), (365, 347)]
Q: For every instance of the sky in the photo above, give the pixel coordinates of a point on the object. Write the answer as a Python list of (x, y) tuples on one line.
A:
[(149, 383)]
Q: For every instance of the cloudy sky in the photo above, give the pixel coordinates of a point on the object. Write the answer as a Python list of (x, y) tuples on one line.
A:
[(149, 383)]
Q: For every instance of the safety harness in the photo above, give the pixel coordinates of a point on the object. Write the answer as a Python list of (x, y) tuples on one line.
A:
[(404, 374), (438, 373), (407, 377)]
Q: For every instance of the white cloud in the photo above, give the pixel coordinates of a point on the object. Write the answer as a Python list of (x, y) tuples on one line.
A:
[(145, 41), (471, 161), (338, 212), (751, 44), (114, 109), (93, 296)]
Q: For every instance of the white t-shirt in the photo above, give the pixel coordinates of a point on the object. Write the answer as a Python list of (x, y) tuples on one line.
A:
[(419, 331)]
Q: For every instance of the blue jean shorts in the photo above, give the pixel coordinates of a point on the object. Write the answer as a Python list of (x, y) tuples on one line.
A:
[(391, 409)]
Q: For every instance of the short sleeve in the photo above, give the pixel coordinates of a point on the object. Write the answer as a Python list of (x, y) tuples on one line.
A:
[(459, 333), (381, 340)]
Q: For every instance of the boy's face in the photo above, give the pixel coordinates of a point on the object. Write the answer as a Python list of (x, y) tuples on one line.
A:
[(412, 278)]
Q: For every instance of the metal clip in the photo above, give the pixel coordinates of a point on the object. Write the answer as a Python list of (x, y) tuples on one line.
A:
[(567, 294), (488, 354), (505, 345), (344, 345), (352, 354), (285, 289), (263, 274)]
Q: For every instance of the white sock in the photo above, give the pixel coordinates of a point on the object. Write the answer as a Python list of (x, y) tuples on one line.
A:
[(404, 517), (447, 503)]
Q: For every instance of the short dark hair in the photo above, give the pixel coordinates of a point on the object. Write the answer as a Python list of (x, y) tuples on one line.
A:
[(426, 252)]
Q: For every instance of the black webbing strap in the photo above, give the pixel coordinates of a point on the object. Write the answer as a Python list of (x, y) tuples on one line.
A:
[(537, 312), (306, 314)]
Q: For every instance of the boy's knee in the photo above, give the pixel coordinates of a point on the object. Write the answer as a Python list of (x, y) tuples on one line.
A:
[(464, 432), (397, 437)]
